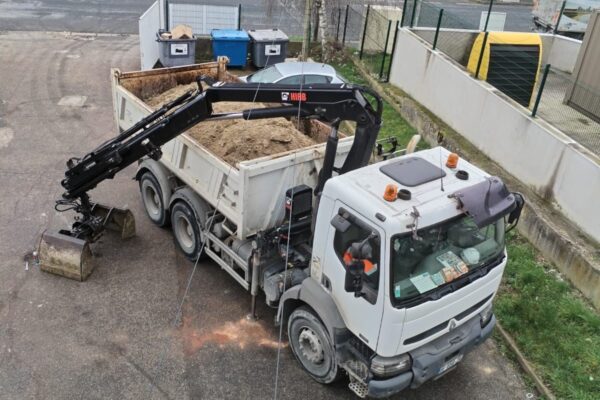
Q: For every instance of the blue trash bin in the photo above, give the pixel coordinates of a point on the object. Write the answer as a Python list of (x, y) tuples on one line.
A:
[(231, 43)]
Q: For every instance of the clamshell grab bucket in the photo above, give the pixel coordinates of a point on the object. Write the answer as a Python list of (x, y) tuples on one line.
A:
[(62, 254)]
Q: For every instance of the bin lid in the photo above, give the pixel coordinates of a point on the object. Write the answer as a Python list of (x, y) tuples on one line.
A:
[(267, 35), (229, 34)]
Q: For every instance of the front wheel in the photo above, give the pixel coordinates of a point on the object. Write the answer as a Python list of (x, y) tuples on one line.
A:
[(311, 345)]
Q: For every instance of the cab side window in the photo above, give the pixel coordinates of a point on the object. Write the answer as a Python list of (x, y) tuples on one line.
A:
[(361, 244)]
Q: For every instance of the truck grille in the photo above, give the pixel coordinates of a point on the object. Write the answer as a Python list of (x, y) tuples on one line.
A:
[(443, 325)]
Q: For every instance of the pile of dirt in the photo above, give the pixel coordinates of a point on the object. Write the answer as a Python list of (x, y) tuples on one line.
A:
[(239, 140)]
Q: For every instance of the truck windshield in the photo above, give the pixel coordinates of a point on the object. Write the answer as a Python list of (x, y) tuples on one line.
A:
[(439, 254)]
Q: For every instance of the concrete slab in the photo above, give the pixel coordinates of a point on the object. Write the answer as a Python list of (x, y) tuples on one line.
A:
[(114, 336)]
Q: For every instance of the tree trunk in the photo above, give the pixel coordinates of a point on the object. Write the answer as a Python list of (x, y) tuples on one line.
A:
[(325, 31), (306, 37)]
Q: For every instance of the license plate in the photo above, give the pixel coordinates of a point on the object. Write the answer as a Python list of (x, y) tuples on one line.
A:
[(451, 363)]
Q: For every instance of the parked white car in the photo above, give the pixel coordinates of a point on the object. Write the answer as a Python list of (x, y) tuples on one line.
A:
[(296, 73)]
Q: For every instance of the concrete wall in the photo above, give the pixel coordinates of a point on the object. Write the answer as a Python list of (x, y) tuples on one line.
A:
[(377, 27), (551, 163), (455, 43), (560, 51)]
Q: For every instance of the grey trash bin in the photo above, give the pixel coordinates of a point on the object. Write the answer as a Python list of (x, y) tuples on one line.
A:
[(269, 46), (176, 52)]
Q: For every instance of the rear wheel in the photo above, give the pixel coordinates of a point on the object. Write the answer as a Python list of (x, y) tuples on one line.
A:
[(152, 197), (311, 345), (187, 231)]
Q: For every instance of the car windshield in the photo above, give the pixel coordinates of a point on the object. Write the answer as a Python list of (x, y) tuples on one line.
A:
[(439, 254), (267, 75)]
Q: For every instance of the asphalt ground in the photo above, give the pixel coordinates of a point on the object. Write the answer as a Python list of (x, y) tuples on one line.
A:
[(121, 16), (113, 336)]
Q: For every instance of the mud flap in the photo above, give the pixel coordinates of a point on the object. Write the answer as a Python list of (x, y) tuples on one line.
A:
[(65, 255)]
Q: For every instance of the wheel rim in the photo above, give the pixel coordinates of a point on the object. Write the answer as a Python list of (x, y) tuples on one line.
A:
[(151, 200), (184, 232), (311, 348)]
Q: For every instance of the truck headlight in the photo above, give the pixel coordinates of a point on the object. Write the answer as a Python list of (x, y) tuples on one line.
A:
[(486, 315), (390, 366)]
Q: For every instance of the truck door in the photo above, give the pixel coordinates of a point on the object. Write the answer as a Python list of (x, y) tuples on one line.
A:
[(362, 315)]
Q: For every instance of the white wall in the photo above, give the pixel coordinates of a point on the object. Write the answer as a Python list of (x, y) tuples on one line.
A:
[(562, 52), (532, 151)]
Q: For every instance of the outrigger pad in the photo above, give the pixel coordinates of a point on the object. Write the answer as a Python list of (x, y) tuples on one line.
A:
[(65, 255)]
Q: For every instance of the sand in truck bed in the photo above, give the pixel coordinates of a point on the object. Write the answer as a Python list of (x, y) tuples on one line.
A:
[(239, 140)]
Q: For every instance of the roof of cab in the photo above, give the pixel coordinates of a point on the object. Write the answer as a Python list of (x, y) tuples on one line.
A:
[(372, 181)]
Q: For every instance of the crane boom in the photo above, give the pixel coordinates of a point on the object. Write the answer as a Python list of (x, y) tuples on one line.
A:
[(329, 103)]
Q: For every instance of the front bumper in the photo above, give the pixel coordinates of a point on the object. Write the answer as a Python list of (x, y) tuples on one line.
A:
[(429, 359)]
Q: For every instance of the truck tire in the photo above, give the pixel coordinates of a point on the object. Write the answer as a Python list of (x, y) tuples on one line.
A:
[(186, 231), (312, 346), (152, 198)]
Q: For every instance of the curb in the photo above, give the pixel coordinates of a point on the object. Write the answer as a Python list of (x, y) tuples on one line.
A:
[(527, 367)]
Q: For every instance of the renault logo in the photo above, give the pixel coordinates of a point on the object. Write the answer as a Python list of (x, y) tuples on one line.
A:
[(452, 324)]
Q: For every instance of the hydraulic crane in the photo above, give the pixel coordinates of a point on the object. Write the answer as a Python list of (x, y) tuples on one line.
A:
[(329, 103)]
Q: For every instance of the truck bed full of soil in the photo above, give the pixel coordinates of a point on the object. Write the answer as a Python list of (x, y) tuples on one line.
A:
[(239, 140)]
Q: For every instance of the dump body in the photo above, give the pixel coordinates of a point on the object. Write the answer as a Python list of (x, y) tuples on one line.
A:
[(252, 191)]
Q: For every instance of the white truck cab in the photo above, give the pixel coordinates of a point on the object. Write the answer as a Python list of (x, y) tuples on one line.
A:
[(435, 263)]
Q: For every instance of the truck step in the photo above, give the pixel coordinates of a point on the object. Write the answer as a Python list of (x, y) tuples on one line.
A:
[(358, 387)]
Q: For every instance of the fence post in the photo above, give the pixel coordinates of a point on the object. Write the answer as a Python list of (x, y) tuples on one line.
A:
[(403, 13), (337, 31), (239, 16), (362, 44), (487, 19), (167, 28), (393, 51), (485, 37), (414, 13), (437, 29), (538, 98), (387, 38), (345, 25), (562, 10)]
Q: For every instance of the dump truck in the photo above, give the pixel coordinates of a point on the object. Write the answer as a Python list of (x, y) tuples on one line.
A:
[(385, 271)]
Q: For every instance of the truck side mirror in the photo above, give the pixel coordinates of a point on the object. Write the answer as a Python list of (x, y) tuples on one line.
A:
[(353, 282), (513, 217)]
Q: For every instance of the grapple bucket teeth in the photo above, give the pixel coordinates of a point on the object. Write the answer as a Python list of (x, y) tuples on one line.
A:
[(116, 219), (65, 255)]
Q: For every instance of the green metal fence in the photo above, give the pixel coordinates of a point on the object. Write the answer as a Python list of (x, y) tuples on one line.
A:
[(512, 68), (571, 107), (370, 34)]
